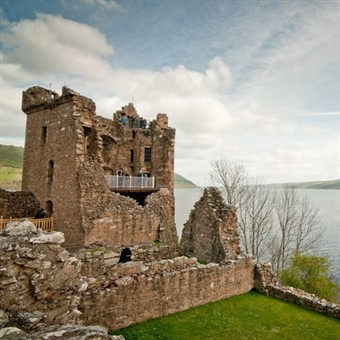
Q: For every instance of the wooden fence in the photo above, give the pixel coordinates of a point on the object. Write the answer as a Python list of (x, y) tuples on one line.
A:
[(42, 223)]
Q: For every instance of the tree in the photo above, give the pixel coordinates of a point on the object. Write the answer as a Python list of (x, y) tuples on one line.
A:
[(272, 225), (254, 203), (232, 179), (255, 219), (297, 227), (311, 274)]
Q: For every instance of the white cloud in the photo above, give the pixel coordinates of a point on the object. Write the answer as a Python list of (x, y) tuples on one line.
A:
[(52, 44), (104, 4), (249, 125)]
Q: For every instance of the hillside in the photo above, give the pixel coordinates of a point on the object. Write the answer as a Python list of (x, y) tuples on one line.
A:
[(330, 185), (11, 156), (181, 182)]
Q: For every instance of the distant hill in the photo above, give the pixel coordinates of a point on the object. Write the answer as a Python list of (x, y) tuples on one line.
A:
[(11, 156), (181, 182), (331, 185)]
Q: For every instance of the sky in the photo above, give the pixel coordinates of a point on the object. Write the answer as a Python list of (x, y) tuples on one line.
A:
[(251, 82)]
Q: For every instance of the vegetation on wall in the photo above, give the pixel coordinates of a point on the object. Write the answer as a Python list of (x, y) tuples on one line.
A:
[(311, 274)]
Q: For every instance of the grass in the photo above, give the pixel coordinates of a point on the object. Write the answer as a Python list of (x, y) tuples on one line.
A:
[(247, 316), (10, 178)]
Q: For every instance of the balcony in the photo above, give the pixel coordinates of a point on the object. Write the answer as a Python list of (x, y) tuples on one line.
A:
[(131, 183)]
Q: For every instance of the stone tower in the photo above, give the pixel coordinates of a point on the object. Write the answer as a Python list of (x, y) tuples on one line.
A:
[(211, 232), (74, 163)]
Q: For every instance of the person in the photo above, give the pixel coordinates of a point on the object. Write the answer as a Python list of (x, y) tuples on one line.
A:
[(143, 123), (139, 174), (40, 214), (125, 255), (124, 120)]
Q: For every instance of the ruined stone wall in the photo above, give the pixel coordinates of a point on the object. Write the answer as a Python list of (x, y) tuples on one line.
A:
[(68, 152), (138, 291), (267, 283), (39, 277), (211, 233), (121, 142), (53, 152), (114, 220), (163, 150), (18, 204)]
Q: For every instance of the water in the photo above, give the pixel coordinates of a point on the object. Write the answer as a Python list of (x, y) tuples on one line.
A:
[(327, 201)]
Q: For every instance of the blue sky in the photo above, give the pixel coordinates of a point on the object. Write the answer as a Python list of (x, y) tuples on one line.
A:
[(256, 82)]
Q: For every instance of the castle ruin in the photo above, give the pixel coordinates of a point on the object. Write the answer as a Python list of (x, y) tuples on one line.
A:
[(106, 181), (86, 171)]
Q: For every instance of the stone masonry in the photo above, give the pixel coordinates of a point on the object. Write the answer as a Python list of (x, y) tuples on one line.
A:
[(211, 233), (18, 204), (40, 278), (69, 151)]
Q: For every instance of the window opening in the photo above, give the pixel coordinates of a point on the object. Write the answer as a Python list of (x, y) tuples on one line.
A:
[(132, 156), (87, 132), (147, 155), (49, 208), (50, 172), (44, 134)]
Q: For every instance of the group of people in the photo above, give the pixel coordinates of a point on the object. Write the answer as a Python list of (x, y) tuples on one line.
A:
[(121, 172), (133, 122)]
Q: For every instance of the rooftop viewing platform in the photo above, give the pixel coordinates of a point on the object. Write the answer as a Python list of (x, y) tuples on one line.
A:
[(131, 183)]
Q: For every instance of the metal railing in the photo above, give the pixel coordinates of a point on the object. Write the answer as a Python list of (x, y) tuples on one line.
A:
[(133, 182), (46, 224)]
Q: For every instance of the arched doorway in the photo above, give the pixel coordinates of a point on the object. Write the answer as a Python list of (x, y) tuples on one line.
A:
[(49, 208)]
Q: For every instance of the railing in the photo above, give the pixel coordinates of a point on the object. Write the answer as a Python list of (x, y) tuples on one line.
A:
[(46, 224), (133, 182)]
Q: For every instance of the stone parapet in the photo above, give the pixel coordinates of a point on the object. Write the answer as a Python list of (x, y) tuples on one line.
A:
[(43, 284), (18, 204), (267, 283)]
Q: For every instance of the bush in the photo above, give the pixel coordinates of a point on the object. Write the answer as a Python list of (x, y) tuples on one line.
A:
[(311, 274)]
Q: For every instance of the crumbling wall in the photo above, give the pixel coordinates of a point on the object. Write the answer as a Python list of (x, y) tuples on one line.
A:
[(54, 147), (68, 152), (112, 220), (41, 278), (138, 291), (211, 233), (38, 276), (266, 282), (18, 204)]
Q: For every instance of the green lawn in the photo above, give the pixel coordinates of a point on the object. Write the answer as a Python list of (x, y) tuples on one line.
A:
[(247, 316), (10, 178)]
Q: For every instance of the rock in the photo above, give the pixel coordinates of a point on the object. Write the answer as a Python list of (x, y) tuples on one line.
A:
[(28, 320), (49, 237), (3, 318), (22, 227), (13, 333), (75, 332)]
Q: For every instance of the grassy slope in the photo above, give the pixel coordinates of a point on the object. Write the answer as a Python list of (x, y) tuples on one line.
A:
[(11, 156), (181, 182), (11, 159), (332, 185), (247, 316)]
